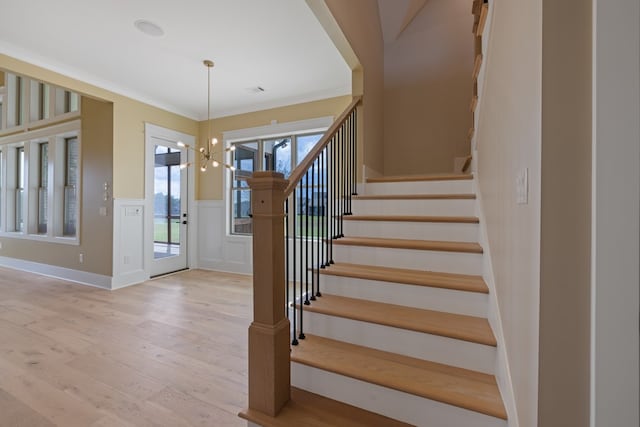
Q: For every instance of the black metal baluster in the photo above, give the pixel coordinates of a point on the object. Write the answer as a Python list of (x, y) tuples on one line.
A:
[(306, 240), (322, 201), (347, 170), (286, 256), (349, 165), (311, 233), (317, 227), (354, 141), (343, 175), (300, 283), (294, 341), (334, 188)]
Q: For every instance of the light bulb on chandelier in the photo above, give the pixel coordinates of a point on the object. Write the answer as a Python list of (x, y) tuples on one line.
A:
[(206, 151)]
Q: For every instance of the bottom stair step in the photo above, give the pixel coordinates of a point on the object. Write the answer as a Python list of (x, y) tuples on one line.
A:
[(307, 409), (462, 388)]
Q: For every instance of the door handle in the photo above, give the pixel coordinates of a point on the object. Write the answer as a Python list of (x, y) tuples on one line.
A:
[(184, 222)]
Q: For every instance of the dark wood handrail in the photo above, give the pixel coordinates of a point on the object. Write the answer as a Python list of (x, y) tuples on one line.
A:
[(298, 173)]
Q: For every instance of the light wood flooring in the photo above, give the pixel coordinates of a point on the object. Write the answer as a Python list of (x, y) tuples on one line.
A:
[(169, 352)]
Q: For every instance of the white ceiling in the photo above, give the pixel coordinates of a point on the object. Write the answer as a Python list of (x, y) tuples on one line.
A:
[(276, 44)]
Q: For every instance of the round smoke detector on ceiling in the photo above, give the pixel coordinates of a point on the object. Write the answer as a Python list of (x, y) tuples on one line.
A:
[(149, 28)]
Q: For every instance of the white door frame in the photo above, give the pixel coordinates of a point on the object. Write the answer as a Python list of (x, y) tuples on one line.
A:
[(152, 132), (615, 273)]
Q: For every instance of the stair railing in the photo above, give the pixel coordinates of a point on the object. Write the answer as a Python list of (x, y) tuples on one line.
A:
[(295, 221)]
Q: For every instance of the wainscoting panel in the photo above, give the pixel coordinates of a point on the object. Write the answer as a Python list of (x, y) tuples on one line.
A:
[(128, 243), (217, 250)]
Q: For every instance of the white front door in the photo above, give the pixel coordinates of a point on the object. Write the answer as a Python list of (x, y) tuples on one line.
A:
[(167, 201)]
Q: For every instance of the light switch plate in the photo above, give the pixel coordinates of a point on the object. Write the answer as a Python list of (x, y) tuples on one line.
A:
[(522, 187)]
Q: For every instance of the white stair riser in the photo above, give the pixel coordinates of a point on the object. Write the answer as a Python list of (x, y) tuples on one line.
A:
[(455, 232), (445, 350), (395, 404), (465, 207), (446, 262), (419, 187), (425, 297)]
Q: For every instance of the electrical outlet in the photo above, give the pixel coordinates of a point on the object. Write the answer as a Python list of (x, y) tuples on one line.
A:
[(522, 187), (127, 259), (81, 258)]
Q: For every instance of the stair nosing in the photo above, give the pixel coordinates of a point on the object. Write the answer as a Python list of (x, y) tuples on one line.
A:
[(438, 394), (432, 279), (410, 244), (448, 196), (415, 218), (438, 328), (420, 178)]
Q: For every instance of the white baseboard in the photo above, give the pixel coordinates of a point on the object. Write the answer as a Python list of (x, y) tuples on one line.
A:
[(77, 276), (129, 279), (225, 266)]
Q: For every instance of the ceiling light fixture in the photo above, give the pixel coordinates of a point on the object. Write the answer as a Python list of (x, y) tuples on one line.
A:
[(206, 151), (149, 28)]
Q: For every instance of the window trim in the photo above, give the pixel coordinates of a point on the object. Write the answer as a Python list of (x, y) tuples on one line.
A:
[(54, 135)]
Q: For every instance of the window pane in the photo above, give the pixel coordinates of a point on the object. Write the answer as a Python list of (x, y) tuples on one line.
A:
[(66, 101), (42, 187), (245, 157), (18, 100), (71, 184), (174, 204), (278, 155), (19, 195), (39, 104), (304, 144), (241, 207)]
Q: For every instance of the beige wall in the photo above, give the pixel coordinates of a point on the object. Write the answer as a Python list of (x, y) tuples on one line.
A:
[(209, 184), (427, 90), (565, 247), (360, 23), (508, 140), (96, 231), (129, 117)]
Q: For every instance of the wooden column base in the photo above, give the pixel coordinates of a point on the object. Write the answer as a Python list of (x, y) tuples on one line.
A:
[(269, 368)]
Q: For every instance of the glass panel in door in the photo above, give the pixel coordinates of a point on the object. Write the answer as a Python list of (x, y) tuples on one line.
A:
[(167, 205)]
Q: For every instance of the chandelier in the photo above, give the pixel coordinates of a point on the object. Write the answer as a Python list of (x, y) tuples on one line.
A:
[(206, 152)]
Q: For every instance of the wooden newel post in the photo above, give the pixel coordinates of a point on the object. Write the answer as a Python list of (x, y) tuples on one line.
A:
[(269, 365)]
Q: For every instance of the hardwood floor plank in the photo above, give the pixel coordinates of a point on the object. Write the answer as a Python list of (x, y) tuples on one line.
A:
[(195, 411), (53, 403), (17, 414), (169, 352), (117, 375)]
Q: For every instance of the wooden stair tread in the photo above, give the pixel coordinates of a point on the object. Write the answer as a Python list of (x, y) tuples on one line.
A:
[(424, 245), (457, 326), (413, 218), (460, 282), (307, 409), (415, 197), (428, 177), (455, 386)]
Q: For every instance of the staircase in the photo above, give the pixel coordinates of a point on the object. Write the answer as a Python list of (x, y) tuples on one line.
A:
[(401, 328)]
